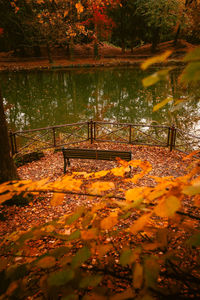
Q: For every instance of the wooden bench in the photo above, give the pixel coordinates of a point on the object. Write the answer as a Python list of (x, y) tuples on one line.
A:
[(93, 154)]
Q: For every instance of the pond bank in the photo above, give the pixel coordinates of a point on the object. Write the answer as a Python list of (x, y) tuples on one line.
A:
[(109, 56), (77, 63)]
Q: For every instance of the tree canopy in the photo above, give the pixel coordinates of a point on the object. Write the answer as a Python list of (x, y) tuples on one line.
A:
[(29, 25)]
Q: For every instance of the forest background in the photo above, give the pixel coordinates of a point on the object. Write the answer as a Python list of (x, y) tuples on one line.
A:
[(55, 27)]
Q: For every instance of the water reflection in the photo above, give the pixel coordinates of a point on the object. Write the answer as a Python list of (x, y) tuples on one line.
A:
[(43, 98)]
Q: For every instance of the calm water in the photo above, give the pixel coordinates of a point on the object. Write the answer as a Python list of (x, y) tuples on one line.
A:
[(36, 99)]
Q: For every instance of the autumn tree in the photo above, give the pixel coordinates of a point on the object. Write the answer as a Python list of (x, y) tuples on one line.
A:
[(7, 167), (192, 11), (160, 17), (16, 27), (98, 21), (129, 26)]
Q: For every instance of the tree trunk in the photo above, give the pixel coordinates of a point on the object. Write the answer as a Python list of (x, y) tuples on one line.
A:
[(155, 40), (8, 169), (49, 54), (177, 35)]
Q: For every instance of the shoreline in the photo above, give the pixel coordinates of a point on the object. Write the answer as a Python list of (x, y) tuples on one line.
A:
[(31, 65)]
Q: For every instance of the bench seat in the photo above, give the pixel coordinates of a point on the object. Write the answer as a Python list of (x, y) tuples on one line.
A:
[(93, 154)]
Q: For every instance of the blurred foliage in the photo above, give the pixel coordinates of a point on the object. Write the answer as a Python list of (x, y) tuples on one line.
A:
[(189, 75), (105, 240)]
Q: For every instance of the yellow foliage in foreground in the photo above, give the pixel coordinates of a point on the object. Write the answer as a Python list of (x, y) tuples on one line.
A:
[(116, 233)]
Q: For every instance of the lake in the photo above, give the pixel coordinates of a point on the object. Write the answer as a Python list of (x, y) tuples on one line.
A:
[(35, 99)]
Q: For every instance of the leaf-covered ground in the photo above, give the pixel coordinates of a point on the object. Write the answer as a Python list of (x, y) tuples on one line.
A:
[(182, 277), (164, 163)]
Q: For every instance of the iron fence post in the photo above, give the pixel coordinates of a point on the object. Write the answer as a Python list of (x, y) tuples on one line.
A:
[(54, 137), (88, 126), (130, 139), (173, 137), (91, 132), (15, 143), (174, 141), (168, 136), (94, 126)]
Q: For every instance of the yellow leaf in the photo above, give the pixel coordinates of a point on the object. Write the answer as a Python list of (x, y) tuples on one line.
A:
[(57, 199), (46, 262), (109, 222), (192, 55), (178, 101), (134, 194), (120, 171), (151, 79), (162, 179), (100, 186), (67, 183), (138, 276), (144, 165), (155, 77), (100, 173), (140, 223), (192, 189), (167, 207), (6, 197), (157, 193), (162, 103), (41, 184), (156, 59)]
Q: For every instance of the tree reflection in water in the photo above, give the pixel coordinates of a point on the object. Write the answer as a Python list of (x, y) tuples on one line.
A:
[(42, 98)]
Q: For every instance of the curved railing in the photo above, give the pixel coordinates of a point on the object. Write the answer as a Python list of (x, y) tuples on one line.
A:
[(102, 131)]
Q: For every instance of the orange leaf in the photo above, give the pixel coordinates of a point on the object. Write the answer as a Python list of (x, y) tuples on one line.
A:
[(109, 222), (140, 223), (102, 250), (46, 262), (89, 234), (167, 206), (79, 8), (138, 276), (57, 199), (66, 13)]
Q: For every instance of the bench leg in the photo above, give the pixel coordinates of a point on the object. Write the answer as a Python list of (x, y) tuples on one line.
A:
[(66, 164), (130, 172)]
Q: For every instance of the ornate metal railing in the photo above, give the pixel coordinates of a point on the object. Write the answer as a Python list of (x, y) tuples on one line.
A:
[(49, 137), (186, 142), (99, 131), (136, 134)]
